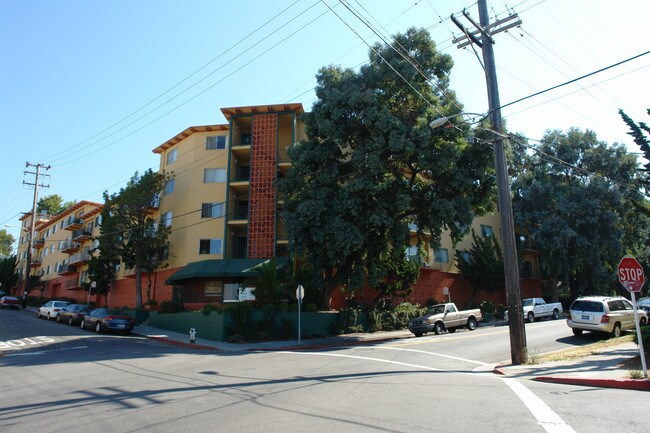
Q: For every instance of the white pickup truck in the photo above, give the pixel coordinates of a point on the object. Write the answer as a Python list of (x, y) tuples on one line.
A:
[(535, 308), (443, 317)]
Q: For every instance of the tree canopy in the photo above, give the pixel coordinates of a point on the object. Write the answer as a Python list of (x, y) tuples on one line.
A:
[(52, 204), (6, 243), (483, 265), (575, 197), (8, 273), (130, 234), (371, 166)]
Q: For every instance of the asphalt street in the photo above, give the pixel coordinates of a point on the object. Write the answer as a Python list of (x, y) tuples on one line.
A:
[(57, 378)]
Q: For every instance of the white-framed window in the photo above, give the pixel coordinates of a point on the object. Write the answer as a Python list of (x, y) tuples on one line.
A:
[(54, 229), (169, 187), (442, 255), (213, 210), (166, 218), (210, 246), (214, 175), (172, 156), (213, 288), (216, 142)]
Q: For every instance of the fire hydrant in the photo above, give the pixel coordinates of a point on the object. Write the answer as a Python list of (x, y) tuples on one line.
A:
[(192, 335)]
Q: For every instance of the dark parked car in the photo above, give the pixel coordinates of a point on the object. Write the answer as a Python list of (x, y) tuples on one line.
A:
[(9, 302), (73, 314), (644, 304), (108, 319)]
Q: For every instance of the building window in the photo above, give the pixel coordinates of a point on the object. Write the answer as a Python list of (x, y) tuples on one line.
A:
[(54, 229), (442, 255), (246, 138), (166, 219), (172, 155), (169, 187), (212, 210), (465, 256), (210, 246), (214, 175), (487, 231), (412, 253), (215, 142), (213, 288)]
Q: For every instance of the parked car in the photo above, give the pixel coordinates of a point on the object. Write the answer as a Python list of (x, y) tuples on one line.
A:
[(644, 304), (607, 314), (536, 308), (9, 302), (73, 314), (51, 309), (445, 317), (105, 319)]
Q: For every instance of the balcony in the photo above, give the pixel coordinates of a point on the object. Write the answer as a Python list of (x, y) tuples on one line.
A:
[(73, 284), (130, 272), (81, 235), (73, 224), (36, 262), (69, 247), (79, 259), (66, 270), (39, 243)]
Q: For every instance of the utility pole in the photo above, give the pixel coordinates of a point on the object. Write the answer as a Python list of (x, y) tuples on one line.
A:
[(518, 350), (30, 243)]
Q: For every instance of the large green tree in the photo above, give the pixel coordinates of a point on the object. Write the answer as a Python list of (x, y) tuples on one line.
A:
[(371, 166), (129, 233), (483, 265), (575, 196), (6, 243), (8, 273), (52, 204)]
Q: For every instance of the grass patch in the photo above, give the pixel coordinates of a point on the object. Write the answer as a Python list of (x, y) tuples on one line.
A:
[(582, 351)]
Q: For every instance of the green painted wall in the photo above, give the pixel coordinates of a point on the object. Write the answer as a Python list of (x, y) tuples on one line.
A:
[(210, 327)]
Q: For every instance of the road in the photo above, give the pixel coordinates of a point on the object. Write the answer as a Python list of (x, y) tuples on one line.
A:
[(57, 378)]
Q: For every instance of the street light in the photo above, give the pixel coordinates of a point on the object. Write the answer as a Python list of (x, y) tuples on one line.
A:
[(436, 123)]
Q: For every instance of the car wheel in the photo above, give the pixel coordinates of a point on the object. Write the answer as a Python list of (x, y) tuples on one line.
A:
[(438, 328), (38, 314), (58, 319), (642, 321), (418, 334), (616, 332), (70, 321), (451, 330), (472, 324), (556, 314), (577, 332), (48, 316), (530, 317), (98, 328), (83, 324)]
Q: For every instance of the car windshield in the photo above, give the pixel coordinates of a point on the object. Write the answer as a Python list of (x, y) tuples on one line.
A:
[(591, 306), (643, 303), (436, 309), (528, 302), (112, 312)]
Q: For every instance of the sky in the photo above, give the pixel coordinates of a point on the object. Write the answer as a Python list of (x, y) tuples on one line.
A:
[(90, 88)]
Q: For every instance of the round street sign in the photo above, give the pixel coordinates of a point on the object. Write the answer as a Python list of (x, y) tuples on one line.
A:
[(630, 274)]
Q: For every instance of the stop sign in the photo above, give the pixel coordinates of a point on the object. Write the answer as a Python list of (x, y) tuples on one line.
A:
[(630, 274)]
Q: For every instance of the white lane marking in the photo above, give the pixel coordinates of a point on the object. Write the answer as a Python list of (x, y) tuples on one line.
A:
[(432, 353), (45, 352), (365, 358), (549, 420)]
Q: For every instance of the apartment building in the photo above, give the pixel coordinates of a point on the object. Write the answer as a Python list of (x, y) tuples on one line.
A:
[(225, 218)]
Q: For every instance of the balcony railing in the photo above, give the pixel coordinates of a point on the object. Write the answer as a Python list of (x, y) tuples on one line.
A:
[(66, 269), (39, 243), (69, 247), (81, 235), (239, 211), (73, 224), (80, 258)]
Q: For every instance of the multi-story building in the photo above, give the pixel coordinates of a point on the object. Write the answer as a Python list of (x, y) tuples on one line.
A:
[(225, 217)]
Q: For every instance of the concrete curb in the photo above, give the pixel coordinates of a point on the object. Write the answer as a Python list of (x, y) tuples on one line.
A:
[(633, 384), (179, 343), (322, 345)]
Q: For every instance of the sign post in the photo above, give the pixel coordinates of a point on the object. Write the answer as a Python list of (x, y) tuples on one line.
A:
[(300, 293), (631, 276)]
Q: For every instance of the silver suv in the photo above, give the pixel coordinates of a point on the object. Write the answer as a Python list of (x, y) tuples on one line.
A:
[(607, 314)]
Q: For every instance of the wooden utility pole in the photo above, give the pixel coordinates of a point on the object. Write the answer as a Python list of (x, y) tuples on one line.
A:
[(485, 30), (30, 243)]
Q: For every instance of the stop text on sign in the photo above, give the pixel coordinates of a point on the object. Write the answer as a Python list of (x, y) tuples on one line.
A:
[(627, 274)]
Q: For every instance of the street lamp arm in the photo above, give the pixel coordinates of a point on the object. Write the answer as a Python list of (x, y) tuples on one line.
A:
[(436, 123)]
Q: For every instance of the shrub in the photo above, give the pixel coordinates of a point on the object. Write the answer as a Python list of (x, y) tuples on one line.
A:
[(241, 314), (208, 308), (645, 336), (167, 307), (287, 330), (487, 307), (236, 339), (262, 336), (500, 312), (151, 303), (346, 320), (310, 308), (431, 302)]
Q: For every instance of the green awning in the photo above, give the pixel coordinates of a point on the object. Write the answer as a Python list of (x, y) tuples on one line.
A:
[(221, 268)]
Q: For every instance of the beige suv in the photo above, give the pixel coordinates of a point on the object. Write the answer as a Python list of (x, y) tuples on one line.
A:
[(606, 314)]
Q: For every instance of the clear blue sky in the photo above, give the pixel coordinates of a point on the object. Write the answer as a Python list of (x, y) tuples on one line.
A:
[(75, 72)]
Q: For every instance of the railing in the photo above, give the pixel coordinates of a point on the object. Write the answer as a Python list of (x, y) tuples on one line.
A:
[(79, 258), (73, 222), (239, 211), (66, 269), (82, 234), (69, 246)]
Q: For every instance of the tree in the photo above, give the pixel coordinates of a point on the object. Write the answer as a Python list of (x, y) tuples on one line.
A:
[(371, 166), (575, 197), (483, 266), (6, 243), (52, 204), (8, 273), (129, 232)]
